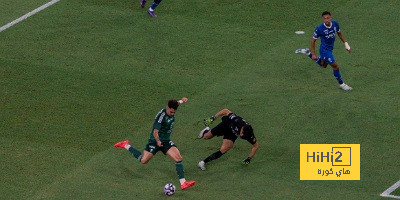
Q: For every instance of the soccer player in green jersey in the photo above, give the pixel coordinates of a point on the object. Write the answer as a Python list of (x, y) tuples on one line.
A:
[(160, 140)]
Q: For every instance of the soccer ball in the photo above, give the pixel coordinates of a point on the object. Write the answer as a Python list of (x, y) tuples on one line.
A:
[(169, 189)]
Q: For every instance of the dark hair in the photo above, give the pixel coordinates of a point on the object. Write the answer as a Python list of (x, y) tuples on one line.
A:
[(173, 104), (326, 13), (247, 130)]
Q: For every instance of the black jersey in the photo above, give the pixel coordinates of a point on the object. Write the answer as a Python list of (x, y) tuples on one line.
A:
[(236, 124)]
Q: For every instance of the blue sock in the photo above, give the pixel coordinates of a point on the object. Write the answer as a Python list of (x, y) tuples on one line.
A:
[(318, 61), (154, 5), (337, 75)]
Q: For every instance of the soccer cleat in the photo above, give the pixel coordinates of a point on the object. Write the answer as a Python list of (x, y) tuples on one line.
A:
[(305, 51), (187, 184), (121, 144), (204, 131), (345, 87), (202, 165), (152, 14), (142, 3)]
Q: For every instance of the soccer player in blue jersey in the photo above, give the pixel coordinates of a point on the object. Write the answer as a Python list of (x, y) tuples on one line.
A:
[(153, 6), (160, 140), (327, 32)]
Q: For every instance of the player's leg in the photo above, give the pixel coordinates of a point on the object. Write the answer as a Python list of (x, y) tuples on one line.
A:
[(153, 7), (227, 144), (336, 72), (142, 158), (149, 151), (218, 130), (126, 145), (142, 3), (308, 53), (323, 63), (146, 157), (338, 76), (205, 133), (175, 155), (320, 61), (222, 129)]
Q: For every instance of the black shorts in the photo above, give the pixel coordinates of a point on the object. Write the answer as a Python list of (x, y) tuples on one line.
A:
[(152, 147), (224, 129)]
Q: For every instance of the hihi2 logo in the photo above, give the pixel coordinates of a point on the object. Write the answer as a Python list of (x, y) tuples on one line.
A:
[(329, 161)]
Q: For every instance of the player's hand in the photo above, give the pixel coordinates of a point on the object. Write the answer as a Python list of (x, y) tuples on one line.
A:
[(209, 121), (159, 143), (246, 161), (314, 57), (347, 47), (184, 99)]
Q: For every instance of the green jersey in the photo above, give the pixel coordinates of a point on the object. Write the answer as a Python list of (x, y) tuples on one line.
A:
[(164, 124)]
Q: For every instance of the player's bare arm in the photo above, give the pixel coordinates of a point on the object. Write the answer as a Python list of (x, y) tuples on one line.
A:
[(252, 153), (346, 44), (223, 112), (183, 100), (253, 150), (155, 134), (312, 46)]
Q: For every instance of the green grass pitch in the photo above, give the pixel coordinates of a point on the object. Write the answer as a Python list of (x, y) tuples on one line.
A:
[(83, 74)]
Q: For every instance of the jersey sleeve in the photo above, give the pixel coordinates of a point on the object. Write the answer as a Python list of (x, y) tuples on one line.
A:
[(158, 120), (252, 139), (232, 116), (337, 26), (317, 33)]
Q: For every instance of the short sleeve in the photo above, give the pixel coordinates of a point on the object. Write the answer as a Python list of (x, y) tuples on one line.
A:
[(232, 116), (317, 33), (252, 139), (158, 120), (337, 26)]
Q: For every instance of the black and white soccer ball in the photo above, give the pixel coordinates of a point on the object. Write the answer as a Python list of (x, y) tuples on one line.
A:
[(169, 189)]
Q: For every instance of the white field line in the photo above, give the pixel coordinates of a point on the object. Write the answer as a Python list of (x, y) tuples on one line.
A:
[(44, 6), (392, 188)]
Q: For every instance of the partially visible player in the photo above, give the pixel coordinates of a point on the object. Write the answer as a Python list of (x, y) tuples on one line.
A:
[(231, 127), (153, 6), (160, 140), (327, 32)]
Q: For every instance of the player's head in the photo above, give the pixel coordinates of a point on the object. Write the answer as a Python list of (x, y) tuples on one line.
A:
[(172, 107), (326, 17), (246, 130)]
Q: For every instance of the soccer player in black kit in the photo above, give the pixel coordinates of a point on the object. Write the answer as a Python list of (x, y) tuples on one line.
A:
[(231, 127)]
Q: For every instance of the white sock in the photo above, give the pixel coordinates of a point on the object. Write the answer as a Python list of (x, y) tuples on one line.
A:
[(151, 10), (127, 146), (182, 180)]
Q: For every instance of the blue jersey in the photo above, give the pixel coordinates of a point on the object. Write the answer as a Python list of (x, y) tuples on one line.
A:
[(327, 35)]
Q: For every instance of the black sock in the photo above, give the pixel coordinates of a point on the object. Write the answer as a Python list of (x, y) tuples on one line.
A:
[(213, 156)]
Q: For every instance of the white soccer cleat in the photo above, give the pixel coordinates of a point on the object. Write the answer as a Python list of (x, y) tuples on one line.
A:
[(345, 87), (202, 165), (305, 51), (204, 131)]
